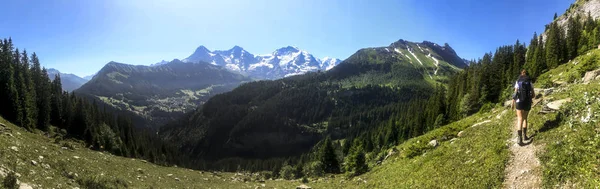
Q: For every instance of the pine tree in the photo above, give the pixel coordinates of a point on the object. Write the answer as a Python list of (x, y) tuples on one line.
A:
[(56, 93), (328, 158), (29, 98), (553, 46), (44, 101), (540, 59), (9, 97), (530, 57), (356, 161), (573, 37)]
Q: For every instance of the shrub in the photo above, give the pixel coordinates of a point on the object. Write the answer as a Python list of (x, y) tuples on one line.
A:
[(314, 169), (10, 181), (287, 172)]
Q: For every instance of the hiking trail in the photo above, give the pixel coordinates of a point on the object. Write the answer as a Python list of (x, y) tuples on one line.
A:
[(523, 169)]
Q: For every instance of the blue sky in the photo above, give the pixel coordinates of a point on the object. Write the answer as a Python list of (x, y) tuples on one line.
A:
[(82, 36)]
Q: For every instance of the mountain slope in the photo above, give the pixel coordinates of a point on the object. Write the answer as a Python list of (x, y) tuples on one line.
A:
[(283, 62), (288, 116), (70, 82), (474, 158), (158, 93)]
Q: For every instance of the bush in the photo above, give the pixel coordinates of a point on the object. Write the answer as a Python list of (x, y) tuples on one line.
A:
[(287, 172), (265, 175), (314, 169), (486, 107), (10, 181), (589, 63)]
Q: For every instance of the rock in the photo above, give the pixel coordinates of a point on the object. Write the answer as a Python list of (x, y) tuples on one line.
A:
[(481, 123), (460, 134), (14, 148), (508, 103), (390, 153), (452, 140), (303, 186), (261, 181), (10, 135), (591, 75), (263, 185), (72, 175), (170, 175), (2, 124), (177, 179), (45, 166), (34, 163), (433, 143), (548, 91), (76, 157), (25, 186), (555, 105), (40, 158)]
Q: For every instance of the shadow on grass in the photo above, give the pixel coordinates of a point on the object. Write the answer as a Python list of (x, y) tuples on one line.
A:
[(551, 124)]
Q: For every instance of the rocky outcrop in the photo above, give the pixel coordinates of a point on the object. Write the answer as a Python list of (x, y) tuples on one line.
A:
[(556, 105), (591, 75)]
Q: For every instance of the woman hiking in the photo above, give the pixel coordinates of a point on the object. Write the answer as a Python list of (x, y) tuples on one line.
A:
[(523, 98)]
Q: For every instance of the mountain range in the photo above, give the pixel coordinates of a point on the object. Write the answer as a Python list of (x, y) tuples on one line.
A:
[(159, 93), (283, 62), (70, 82), (288, 116)]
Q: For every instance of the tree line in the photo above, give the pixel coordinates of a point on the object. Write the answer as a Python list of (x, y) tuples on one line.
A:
[(31, 100)]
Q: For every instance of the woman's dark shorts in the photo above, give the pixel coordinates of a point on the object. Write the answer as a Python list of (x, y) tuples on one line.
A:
[(524, 106)]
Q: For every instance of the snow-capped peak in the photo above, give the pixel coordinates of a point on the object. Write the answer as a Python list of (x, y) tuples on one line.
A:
[(285, 61), (328, 62)]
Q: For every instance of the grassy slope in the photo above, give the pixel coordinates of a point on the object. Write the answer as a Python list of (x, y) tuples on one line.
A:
[(571, 157), (476, 160)]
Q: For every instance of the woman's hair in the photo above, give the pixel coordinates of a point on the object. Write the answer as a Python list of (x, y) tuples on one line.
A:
[(523, 72)]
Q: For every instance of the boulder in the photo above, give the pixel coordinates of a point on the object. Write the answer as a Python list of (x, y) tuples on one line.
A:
[(591, 75), (34, 163), (460, 134), (555, 105), (508, 103), (14, 148), (433, 143)]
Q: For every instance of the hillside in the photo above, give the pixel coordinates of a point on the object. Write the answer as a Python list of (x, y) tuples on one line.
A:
[(47, 162), (158, 94), (287, 117)]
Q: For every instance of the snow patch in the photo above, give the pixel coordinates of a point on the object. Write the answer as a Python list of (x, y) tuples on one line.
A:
[(233, 67), (260, 64), (437, 63), (413, 54)]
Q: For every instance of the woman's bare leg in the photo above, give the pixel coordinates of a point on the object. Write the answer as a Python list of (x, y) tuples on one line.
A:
[(525, 115), (519, 119)]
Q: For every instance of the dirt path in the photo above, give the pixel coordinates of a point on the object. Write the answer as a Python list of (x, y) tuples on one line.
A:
[(523, 170)]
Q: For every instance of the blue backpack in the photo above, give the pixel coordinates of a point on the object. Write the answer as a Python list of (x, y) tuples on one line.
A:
[(525, 92)]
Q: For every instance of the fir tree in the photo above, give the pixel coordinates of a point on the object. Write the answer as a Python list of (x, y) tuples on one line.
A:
[(573, 37), (328, 158), (356, 161)]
